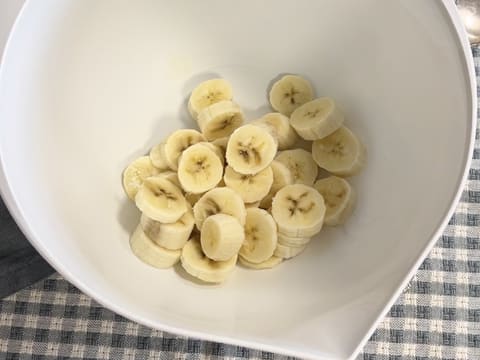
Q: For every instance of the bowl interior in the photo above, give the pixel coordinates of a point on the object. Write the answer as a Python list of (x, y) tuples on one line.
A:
[(87, 87)]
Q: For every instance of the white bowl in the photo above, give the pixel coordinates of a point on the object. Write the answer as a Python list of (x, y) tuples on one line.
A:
[(86, 87)]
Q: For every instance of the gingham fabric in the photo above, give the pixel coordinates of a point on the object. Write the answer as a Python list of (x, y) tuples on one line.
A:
[(437, 317)]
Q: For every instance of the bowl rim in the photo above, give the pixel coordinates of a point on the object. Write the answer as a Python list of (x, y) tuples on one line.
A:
[(11, 204)]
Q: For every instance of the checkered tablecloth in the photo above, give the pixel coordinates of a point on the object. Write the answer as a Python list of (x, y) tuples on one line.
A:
[(437, 317)]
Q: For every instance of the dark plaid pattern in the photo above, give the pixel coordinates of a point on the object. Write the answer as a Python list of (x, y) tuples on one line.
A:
[(437, 317)]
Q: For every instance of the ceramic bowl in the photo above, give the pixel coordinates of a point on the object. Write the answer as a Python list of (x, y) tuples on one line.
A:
[(86, 87)]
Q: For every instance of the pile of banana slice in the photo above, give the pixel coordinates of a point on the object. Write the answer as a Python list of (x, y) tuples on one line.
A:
[(247, 192)]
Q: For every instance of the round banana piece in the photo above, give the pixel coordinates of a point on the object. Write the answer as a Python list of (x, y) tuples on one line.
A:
[(298, 210), (221, 143), (158, 158), (221, 237), (177, 142), (288, 252), (284, 132), (136, 173), (160, 200), (200, 266), (282, 176), (207, 93), (251, 188), (339, 199), (199, 169), (170, 236), (340, 153), (221, 200), (216, 149), (250, 149), (301, 164), (260, 236), (150, 253), (317, 118), (292, 241), (220, 119), (171, 176), (267, 264), (290, 92)]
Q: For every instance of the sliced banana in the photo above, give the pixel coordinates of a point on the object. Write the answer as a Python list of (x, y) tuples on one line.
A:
[(200, 266), (221, 237), (260, 236), (207, 93), (216, 149), (317, 118), (282, 176), (290, 92), (171, 176), (179, 141), (292, 241), (199, 169), (340, 153), (280, 124), (160, 200), (250, 149), (267, 264), (251, 188), (288, 252), (220, 119), (298, 210), (221, 200), (255, 204), (301, 164), (158, 158), (221, 143), (170, 236), (150, 253), (136, 173), (339, 199)]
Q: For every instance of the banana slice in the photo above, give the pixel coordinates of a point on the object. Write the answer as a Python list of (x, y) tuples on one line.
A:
[(290, 92), (170, 236), (292, 241), (158, 158), (260, 236), (150, 253), (200, 266), (216, 149), (288, 252), (280, 124), (301, 164), (298, 210), (251, 188), (160, 200), (282, 176), (221, 200), (255, 204), (317, 118), (339, 199), (221, 143), (221, 237), (171, 176), (207, 93), (199, 169), (250, 149), (340, 153), (267, 264), (220, 119), (177, 142), (136, 173)]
